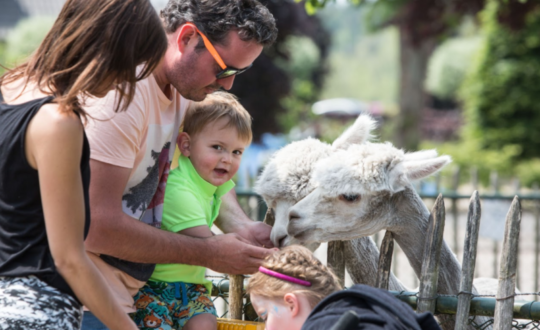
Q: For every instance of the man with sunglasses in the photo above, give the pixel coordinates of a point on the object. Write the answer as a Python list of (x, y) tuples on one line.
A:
[(210, 42)]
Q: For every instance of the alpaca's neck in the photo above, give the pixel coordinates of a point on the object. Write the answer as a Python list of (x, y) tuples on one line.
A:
[(410, 227), (362, 259)]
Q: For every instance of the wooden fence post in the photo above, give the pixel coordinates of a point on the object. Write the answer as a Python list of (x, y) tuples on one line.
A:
[(469, 262), (385, 261), (455, 215), (494, 181), (432, 252), (507, 272), (336, 259), (236, 296), (537, 240)]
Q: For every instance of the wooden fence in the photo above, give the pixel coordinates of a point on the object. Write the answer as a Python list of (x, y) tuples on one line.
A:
[(502, 306)]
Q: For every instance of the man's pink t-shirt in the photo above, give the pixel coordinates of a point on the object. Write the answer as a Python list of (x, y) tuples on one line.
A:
[(143, 138)]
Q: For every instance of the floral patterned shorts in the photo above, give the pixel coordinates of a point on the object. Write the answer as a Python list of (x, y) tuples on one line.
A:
[(170, 305), (29, 303)]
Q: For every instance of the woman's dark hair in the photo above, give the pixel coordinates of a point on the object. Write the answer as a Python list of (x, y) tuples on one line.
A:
[(215, 18), (92, 43)]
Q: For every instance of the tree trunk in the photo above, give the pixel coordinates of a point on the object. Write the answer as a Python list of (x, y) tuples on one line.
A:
[(414, 59)]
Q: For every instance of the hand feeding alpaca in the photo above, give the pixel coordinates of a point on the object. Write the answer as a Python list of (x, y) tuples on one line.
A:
[(357, 189)]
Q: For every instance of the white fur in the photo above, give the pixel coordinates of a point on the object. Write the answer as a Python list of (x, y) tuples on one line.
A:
[(358, 133)]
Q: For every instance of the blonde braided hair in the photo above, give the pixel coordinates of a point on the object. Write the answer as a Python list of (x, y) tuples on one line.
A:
[(299, 262)]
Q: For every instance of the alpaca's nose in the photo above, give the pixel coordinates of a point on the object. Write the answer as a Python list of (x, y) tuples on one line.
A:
[(293, 215), (281, 241)]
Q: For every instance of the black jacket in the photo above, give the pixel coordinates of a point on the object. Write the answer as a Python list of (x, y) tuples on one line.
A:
[(374, 309)]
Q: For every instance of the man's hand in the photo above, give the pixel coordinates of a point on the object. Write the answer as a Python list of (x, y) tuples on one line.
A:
[(231, 254), (257, 233)]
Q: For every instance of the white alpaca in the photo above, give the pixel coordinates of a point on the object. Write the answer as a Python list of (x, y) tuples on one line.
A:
[(356, 189), (286, 180)]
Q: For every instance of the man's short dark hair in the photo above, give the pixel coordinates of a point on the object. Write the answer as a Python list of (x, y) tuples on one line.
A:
[(216, 18)]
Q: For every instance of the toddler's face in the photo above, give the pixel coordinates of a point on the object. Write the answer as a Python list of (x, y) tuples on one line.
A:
[(216, 152)]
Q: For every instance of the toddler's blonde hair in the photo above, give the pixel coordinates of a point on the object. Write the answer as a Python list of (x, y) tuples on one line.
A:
[(214, 107), (299, 262)]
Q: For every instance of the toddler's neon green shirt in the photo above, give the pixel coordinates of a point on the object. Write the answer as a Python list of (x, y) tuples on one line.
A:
[(190, 201)]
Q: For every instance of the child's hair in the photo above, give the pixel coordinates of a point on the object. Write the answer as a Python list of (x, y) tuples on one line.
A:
[(216, 106), (299, 262)]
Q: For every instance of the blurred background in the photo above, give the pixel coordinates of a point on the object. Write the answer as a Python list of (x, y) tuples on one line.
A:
[(459, 75), (462, 76)]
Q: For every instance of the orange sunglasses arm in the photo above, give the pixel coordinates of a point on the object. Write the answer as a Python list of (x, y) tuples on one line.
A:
[(210, 47)]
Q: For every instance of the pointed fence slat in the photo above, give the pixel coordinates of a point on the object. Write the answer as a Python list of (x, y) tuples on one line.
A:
[(455, 213), (431, 259), (469, 262), (385, 261), (537, 242), (507, 272), (336, 259), (494, 182)]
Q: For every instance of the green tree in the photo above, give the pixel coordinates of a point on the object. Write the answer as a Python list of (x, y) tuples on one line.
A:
[(422, 24), (283, 82), (502, 95)]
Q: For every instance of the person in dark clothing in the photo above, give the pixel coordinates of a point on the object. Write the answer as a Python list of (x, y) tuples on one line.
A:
[(94, 46), (367, 308)]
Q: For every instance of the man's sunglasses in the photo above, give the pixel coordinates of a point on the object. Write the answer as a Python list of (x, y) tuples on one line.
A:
[(226, 71)]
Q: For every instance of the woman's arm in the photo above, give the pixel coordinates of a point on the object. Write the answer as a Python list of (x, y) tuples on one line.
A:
[(54, 147)]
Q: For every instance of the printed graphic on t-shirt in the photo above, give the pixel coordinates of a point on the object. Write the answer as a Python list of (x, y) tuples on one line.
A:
[(147, 197)]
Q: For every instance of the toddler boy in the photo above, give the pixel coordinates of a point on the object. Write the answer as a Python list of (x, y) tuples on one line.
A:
[(216, 132)]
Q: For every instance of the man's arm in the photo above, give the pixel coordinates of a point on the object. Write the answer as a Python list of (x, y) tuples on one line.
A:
[(232, 219), (114, 233)]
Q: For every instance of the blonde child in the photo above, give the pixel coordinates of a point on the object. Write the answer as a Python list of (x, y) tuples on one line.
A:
[(216, 132), (295, 291), (288, 286)]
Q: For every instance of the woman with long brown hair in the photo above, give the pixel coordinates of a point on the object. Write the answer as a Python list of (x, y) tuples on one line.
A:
[(94, 46)]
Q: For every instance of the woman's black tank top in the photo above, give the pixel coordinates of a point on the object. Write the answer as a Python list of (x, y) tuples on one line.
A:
[(24, 249)]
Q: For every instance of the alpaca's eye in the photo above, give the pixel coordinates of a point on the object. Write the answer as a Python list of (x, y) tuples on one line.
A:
[(349, 198)]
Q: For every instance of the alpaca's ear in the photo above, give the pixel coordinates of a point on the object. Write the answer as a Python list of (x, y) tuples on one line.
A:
[(421, 168), (358, 133), (422, 154)]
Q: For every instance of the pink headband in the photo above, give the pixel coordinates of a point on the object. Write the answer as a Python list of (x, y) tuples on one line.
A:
[(283, 276)]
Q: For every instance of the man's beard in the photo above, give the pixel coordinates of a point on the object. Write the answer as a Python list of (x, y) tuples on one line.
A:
[(181, 80)]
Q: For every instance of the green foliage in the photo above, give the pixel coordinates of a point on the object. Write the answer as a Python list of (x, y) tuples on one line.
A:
[(25, 38), (469, 153), (2, 56), (502, 95), (449, 65), (304, 57), (362, 66)]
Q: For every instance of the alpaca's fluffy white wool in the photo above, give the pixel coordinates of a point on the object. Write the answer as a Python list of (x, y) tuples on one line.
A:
[(358, 133), (287, 175), (361, 169)]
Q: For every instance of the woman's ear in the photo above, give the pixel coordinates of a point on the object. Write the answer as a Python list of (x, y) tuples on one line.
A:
[(184, 143), (293, 303)]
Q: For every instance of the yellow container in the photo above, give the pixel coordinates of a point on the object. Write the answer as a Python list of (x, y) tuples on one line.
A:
[(227, 324)]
